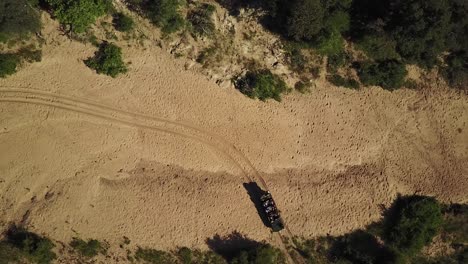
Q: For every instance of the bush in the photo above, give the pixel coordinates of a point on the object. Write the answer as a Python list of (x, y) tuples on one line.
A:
[(361, 247), (107, 60), (8, 64), (261, 84), (340, 81), (264, 254), (155, 256), (89, 249), (389, 74), (163, 13), (17, 18), (79, 15), (302, 87), (201, 21), (337, 60), (411, 223), (330, 43), (22, 244), (189, 256), (122, 22)]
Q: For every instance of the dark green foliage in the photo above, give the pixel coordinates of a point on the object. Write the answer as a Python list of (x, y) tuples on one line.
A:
[(389, 74), (122, 22), (297, 61), (163, 13), (8, 64), (411, 223), (17, 18), (264, 254), (456, 71), (20, 244), (79, 15), (201, 19), (420, 28), (154, 256), (340, 81), (455, 227), (261, 84), (361, 247), (305, 19), (378, 47), (107, 60), (90, 248)]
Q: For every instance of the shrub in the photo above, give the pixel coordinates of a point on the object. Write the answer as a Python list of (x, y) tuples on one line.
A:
[(8, 64), (30, 54), (302, 87), (411, 223), (122, 22), (336, 61), (361, 247), (79, 15), (389, 74), (261, 84), (340, 81), (24, 244), (189, 256), (297, 61), (154, 256), (107, 60), (89, 249), (17, 18), (264, 254), (201, 21), (163, 13)]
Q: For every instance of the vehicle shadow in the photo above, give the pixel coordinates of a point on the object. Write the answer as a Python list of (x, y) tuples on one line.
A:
[(255, 192)]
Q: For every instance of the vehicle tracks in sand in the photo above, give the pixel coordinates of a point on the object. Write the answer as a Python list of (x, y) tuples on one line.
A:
[(98, 110)]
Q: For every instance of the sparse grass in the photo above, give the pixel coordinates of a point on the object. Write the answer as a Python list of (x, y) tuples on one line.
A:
[(302, 87), (201, 20), (89, 249)]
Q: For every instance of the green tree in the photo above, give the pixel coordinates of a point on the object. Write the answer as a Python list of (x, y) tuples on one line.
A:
[(17, 18), (411, 223), (8, 64), (305, 20), (79, 15), (107, 60), (389, 74), (420, 28), (378, 47), (456, 70)]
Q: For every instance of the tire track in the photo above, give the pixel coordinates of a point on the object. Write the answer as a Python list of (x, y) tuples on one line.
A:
[(183, 129), (112, 114)]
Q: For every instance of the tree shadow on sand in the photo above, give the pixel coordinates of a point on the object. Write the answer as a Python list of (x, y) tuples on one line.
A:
[(231, 245)]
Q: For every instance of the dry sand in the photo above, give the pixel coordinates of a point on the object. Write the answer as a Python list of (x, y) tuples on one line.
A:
[(330, 158)]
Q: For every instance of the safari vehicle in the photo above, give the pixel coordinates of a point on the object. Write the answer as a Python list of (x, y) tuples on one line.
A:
[(272, 212)]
